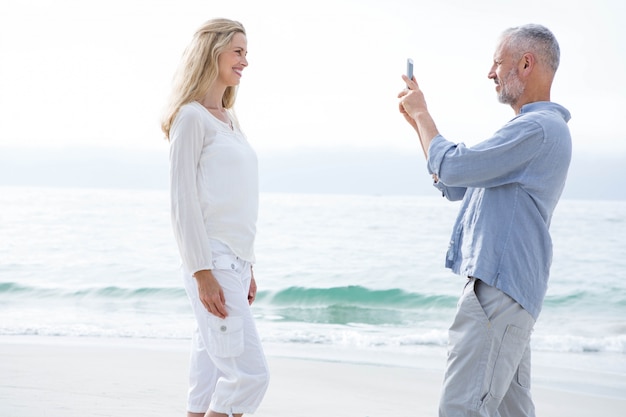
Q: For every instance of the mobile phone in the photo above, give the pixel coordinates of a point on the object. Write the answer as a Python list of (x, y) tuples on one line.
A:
[(409, 68)]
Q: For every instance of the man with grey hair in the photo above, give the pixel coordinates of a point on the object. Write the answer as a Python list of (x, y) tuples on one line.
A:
[(510, 185)]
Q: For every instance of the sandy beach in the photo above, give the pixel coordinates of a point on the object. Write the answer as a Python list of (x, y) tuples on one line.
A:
[(72, 377)]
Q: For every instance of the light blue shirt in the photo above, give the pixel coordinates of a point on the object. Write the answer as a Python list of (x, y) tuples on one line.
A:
[(510, 185)]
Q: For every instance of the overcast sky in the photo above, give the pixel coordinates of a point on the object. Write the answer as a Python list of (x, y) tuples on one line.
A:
[(322, 74)]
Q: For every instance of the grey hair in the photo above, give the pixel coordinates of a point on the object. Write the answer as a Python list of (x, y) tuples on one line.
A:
[(536, 39)]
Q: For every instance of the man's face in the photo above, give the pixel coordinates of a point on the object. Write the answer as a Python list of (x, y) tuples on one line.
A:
[(504, 73)]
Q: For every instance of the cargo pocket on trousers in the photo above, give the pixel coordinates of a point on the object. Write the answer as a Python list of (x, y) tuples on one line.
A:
[(226, 336), (504, 368)]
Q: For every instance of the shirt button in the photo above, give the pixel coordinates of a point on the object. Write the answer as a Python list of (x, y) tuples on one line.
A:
[(223, 328), (232, 266)]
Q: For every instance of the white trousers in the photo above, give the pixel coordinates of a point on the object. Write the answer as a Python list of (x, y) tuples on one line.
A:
[(488, 367), (228, 371)]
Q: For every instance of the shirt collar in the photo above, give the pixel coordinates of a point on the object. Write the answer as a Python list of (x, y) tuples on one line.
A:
[(546, 105)]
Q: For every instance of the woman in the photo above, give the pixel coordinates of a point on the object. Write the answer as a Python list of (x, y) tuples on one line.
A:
[(214, 204)]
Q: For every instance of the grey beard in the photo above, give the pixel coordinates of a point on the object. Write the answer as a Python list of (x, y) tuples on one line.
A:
[(512, 90)]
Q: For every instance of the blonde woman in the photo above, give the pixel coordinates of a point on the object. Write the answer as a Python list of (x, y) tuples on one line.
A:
[(214, 204)]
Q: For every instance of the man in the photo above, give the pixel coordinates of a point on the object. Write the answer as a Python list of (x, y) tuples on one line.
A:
[(510, 185)]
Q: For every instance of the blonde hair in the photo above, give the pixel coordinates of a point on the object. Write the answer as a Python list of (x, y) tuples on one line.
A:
[(198, 68)]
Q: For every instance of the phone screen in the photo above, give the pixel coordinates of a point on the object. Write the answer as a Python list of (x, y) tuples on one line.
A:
[(409, 68)]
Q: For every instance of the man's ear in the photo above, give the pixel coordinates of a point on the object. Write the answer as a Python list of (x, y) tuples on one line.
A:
[(526, 64)]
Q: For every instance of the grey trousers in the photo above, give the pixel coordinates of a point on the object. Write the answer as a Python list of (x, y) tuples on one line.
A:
[(488, 367)]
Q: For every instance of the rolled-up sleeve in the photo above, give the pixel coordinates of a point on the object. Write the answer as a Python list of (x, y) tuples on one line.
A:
[(187, 221), (439, 147), (437, 150), (451, 193)]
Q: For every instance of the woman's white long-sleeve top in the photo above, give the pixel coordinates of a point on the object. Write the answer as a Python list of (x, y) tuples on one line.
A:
[(213, 187)]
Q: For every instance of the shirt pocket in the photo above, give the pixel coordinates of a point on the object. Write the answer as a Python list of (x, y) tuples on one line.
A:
[(225, 336)]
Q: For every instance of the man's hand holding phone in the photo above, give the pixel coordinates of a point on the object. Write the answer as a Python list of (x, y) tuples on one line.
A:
[(413, 107)]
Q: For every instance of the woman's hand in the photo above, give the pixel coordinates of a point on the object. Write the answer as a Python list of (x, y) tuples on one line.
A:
[(211, 293), (252, 290)]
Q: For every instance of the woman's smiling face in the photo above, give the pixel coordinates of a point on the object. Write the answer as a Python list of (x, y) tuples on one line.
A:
[(233, 60)]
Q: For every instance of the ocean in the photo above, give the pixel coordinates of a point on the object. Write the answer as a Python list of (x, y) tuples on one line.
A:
[(361, 276)]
